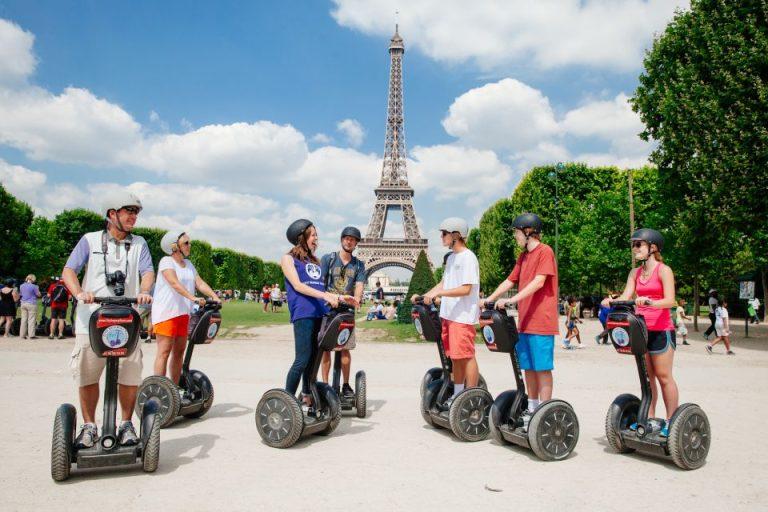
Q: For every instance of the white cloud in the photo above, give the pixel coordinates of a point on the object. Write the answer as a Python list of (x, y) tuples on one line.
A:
[(17, 61), (20, 181), (353, 131), (321, 138), (506, 115), (186, 125), (494, 34)]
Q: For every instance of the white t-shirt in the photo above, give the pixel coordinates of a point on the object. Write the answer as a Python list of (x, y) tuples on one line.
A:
[(167, 303), (461, 268), (275, 293), (721, 315)]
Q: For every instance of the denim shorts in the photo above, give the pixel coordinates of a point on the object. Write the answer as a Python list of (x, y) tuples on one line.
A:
[(536, 352)]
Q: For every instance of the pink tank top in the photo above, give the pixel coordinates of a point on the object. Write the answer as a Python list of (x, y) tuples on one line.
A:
[(655, 318)]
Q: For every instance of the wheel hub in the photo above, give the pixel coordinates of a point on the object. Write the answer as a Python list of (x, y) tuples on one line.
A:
[(275, 421)]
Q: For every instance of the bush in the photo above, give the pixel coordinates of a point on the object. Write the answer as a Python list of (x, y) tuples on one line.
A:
[(422, 281)]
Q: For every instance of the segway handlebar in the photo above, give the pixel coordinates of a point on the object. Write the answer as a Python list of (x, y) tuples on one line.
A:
[(622, 303), (418, 300), (489, 304), (212, 304), (115, 300), (342, 307)]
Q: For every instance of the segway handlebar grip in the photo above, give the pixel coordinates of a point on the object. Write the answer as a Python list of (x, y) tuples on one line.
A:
[(622, 303), (114, 300), (418, 300), (489, 304)]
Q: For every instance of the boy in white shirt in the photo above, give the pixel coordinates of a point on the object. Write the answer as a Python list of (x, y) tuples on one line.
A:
[(459, 307), (722, 328)]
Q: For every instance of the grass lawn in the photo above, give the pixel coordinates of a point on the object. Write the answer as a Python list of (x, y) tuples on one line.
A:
[(238, 316)]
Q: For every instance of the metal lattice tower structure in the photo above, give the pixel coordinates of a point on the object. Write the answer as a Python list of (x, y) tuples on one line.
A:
[(393, 192)]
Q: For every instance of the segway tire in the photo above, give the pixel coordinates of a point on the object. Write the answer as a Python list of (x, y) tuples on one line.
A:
[(328, 394), (204, 385), (689, 437), (500, 414), (554, 430), (150, 458), (469, 412), (428, 400), (279, 419), (361, 399), (621, 414), (63, 442), (166, 393), (432, 375)]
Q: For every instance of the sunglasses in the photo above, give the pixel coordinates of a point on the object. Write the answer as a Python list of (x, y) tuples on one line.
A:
[(133, 210), (444, 232), (636, 244), (186, 244)]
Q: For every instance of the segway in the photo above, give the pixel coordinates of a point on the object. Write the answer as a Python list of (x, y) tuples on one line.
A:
[(193, 397), (114, 333), (627, 425), (280, 418), (358, 402), (553, 429), (466, 415)]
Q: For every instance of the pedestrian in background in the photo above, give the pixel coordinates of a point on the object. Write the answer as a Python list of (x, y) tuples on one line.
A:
[(59, 296), (712, 302), (8, 300), (753, 306), (29, 293), (722, 328), (680, 317)]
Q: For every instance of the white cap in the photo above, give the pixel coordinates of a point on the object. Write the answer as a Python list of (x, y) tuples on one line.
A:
[(119, 199), (452, 224)]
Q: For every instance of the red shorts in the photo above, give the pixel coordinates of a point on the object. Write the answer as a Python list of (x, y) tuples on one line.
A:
[(175, 327), (458, 339)]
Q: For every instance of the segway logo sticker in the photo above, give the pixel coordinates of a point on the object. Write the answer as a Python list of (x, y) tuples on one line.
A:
[(620, 336), (488, 335), (115, 336), (343, 337), (212, 330), (419, 329), (312, 270)]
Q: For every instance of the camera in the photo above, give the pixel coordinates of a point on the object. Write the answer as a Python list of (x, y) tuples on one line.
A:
[(117, 280)]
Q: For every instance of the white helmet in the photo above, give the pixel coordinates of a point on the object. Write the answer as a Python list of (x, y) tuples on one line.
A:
[(455, 224), (119, 199), (169, 241)]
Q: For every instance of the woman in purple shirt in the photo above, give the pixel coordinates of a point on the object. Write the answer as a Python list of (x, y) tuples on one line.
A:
[(29, 292), (306, 301)]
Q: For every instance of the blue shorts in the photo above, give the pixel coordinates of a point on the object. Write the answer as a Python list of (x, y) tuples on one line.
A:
[(536, 352)]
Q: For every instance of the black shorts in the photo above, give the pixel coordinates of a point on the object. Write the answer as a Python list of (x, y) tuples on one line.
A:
[(59, 313), (660, 341)]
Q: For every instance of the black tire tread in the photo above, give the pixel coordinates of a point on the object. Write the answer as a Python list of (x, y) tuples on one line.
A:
[(454, 420), (361, 398), (535, 425), (206, 405), (675, 437), (175, 405), (613, 435), (150, 459), (60, 449), (298, 417)]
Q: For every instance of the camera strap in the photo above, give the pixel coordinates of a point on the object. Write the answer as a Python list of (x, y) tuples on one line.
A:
[(127, 243)]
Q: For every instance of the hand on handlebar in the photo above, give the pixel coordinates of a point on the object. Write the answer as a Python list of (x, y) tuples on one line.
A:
[(200, 301), (643, 301), (349, 299), (85, 297), (143, 298), (332, 299), (502, 303)]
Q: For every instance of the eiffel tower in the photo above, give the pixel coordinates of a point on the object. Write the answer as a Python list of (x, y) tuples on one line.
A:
[(393, 192)]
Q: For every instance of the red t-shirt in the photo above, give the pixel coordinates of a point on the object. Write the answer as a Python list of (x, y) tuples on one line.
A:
[(58, 305), (537, 314)]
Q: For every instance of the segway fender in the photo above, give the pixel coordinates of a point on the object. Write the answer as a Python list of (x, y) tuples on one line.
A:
[(148, 418)]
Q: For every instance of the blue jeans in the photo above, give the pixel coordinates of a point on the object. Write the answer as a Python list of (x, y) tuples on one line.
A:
[(305, 331)]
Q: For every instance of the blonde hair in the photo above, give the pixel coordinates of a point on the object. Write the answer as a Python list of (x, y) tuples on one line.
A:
[(31, 278)]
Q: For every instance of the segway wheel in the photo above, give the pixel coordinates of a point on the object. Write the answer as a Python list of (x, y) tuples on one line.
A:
[(621, 414), (328, 394), (468, 416), (361, 399), (432, 375), (165, 392), (554, 430), (202, 385), (63, 442), (428, 400), (279, 419), (150, 458), (501, 412), (689, 437)]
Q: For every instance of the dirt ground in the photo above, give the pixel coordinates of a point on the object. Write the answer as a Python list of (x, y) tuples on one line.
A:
[(391, 460)]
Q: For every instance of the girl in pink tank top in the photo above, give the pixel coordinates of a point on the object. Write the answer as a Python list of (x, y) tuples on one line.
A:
[(646, 285)]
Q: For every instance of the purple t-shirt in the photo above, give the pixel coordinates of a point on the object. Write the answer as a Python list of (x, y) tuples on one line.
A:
[(29, 293), (82, 251)]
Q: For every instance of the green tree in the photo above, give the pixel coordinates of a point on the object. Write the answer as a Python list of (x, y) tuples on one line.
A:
[(153, 236), (201, 256), (704, 98), (71, 225), (422, 281), (42, 251), (273, 273), (15, 219)]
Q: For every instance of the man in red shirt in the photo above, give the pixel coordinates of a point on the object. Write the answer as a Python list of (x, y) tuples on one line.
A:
[(535, 274), (59, 296)]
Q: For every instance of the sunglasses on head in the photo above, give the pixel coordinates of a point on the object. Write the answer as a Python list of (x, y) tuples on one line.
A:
[(637, 243)]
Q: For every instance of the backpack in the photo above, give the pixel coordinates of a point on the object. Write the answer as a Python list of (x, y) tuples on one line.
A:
[(59, 293)]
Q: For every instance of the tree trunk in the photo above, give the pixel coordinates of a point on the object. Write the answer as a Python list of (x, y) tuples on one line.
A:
[(696, 303), (764, 279)]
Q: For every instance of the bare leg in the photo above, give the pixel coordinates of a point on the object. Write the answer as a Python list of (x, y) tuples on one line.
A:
[(164, 346), (654, 388), (727, 341), (61, 326), (662, 367), (326, 366), (52, 330), (346, 363), (127, 395), (177, 357), (545, 385), (89, 398), (578, 335), (466, 371), (532, 384)]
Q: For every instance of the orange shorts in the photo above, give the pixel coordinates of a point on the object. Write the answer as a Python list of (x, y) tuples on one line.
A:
[(458, 339), (175, 327)]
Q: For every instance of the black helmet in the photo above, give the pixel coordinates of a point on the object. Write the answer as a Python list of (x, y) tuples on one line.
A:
[(351, 231), (651, 236), (296, 228), (528, 220)]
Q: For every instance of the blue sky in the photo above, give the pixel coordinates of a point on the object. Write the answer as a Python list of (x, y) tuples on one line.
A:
[(231, 118)]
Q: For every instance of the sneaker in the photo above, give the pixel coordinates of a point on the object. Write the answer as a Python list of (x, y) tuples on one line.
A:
[(597, 339), (87, 437), (50, 336), (709, 349), (633, 426), (566, 345), (346, 390), (685, 343), (61, 337), (664, 432), (526, 417), (126, 435), (731, 353)]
